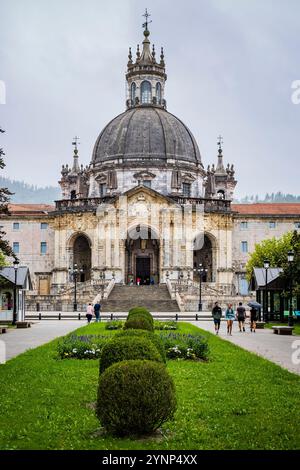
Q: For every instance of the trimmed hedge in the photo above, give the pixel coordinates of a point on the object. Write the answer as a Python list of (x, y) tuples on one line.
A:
[(122, 348), (135, 397), (140, 311), (155, 339), (138, 322)]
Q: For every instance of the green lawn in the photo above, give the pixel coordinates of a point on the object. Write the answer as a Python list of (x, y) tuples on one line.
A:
[(296, 326), (237, 400)]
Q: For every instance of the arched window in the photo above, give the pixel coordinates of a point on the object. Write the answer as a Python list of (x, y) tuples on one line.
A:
[(132, 92), (146, 92), (158, 93)]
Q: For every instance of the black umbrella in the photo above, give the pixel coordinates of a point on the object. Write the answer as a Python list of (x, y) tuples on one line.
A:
[(254, 304)]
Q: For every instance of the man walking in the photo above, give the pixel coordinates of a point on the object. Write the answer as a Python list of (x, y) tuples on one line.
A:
[(217, 315), (241, 316), (97, 308)]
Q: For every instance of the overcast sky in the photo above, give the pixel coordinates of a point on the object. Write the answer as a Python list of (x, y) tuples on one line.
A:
[(230, 66)]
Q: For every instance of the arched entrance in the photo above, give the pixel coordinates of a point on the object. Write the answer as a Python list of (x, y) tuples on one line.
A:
[(82, 256), (205, 256), (142, 256)]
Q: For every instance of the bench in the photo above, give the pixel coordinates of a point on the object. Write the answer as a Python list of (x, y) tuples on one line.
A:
[(3, 329), (23, 324), (260, 325), (283, 330)]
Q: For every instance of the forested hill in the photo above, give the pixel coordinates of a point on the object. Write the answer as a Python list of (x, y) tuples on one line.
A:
[(26, 193), (269, 198)]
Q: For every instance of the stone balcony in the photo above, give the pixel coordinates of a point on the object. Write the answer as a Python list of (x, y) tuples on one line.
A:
[(91, 204)]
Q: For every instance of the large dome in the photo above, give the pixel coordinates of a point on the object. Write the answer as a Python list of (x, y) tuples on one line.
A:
[(146, 133)]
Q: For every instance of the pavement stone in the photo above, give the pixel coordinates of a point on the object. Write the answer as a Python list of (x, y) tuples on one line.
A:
[(275, 348), (18, 341)]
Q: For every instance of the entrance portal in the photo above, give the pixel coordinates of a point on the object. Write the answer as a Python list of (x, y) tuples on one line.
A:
[(82, 257), (142, 256), (143, 269)]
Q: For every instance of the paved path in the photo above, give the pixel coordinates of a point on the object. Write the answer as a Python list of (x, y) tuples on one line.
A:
[(264, 342), (18, 341)]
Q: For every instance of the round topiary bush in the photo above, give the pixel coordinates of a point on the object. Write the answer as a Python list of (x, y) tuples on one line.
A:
[(142, 311), (135, 397), (149, 335), (122, 348), (138, 322)]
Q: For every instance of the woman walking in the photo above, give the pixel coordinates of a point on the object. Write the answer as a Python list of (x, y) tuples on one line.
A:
[(229, 316), (89, 313), (253, 319)]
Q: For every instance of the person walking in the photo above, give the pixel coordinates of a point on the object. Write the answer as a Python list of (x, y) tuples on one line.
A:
[(229, 316), (217, 315), (89, 313), (253, 319), (97, 308), (241, 316)]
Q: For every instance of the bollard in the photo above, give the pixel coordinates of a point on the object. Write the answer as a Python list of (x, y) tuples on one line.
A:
[(40, 316), (79, 316), (196, 316), (59, 316), (111, 317), (176, 317)]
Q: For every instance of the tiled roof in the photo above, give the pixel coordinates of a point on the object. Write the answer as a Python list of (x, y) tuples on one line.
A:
[(30, 209), (267, 209)]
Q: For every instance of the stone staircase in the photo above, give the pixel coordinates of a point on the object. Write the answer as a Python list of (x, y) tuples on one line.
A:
[(155, 298)]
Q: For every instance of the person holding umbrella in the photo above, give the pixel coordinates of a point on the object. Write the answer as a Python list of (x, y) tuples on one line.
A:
[(253, 315)]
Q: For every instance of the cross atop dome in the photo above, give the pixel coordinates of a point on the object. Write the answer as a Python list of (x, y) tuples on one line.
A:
[(145, 25)]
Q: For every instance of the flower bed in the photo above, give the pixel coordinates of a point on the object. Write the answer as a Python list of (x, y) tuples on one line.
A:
[(81, 347), (114, 325), (185, 346), (165, 325)]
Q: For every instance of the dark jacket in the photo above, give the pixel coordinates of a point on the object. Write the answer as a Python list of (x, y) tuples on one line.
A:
[(217, 313), (97, 308)]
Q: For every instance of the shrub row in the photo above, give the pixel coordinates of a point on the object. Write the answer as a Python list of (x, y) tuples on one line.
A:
[(136, 394)]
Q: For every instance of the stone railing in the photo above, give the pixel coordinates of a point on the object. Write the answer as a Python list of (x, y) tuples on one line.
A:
[(86, 204), (210, 205)]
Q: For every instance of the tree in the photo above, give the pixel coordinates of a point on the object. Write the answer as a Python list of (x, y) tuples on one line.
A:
[(5, 194), (276, 251), (273, 249), (295, 266)]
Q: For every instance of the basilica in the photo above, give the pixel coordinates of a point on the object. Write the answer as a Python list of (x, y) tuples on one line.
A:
[(145, 210)]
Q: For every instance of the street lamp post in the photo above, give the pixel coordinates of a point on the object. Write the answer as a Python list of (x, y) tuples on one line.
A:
[(266, 306), (200, 270), (290, 261), (74, 273), (16, 264), (102, 279)]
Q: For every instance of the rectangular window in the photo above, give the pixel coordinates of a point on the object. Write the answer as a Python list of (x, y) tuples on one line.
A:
[(297, 225), (102, 189), (147, 183), (186, 189), (16, 247), (244, 247), (16, 225), (43, 248), (272, 224), (44, 226), (244, 225)]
